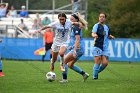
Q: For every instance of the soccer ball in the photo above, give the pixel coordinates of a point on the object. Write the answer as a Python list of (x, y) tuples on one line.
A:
[(50, 76)]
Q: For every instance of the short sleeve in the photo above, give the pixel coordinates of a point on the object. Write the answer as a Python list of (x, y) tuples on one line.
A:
[(76, 30), (109, 33), (95, 27)]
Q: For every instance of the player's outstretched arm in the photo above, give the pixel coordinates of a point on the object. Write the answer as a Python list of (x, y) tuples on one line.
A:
[(43, 28)]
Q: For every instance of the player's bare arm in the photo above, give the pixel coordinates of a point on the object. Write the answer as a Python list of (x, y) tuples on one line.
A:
[(94, 35), (111, 37)]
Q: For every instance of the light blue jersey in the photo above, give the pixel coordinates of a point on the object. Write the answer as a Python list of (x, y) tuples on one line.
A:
[(77, 31), (101, 43)]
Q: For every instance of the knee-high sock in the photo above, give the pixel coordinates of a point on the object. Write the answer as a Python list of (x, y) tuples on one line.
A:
[(64, 74), (78, 70), (61, 60), (0, 65), (101, 68), (95, 70)]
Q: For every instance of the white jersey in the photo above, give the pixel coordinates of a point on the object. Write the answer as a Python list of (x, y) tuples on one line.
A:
[(62, 32)]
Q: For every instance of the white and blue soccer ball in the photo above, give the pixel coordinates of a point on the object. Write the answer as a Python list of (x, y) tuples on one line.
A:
[(51, 76)]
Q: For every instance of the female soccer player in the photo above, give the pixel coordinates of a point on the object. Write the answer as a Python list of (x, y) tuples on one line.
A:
[(76, 52), (61, 39), (101, 35)]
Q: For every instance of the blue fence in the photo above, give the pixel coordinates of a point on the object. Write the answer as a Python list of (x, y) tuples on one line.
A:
[(23, 49)]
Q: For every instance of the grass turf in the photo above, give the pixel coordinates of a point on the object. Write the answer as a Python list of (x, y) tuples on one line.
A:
[(29, 77)]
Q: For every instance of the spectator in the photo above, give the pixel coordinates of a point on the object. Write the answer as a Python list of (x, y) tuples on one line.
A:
[(12, 12), (35, 26), (22, 25), (23, 12), (76, 5), (38, 21), (46, 21), (3, 9)]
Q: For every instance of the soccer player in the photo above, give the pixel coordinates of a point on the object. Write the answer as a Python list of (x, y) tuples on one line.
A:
[(1, 73), (61, 38), (101, 34), (76, 52)]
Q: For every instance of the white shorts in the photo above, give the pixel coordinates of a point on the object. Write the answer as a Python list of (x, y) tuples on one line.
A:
[(56, 48)]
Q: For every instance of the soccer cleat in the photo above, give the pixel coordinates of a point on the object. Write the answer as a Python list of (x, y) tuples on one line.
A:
[(95, 78), (63, 81), (62, 68), (1, 74), (85, 76)]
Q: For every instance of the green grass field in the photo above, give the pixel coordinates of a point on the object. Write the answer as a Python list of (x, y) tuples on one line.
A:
[(29, 77)]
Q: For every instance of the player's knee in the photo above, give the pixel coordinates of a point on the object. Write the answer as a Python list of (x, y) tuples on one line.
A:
[(61, 54), (53, 60), (70, 66), (105, 63)]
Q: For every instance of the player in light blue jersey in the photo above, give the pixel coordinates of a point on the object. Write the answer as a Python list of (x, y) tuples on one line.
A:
[(101, 35), (76, 52)]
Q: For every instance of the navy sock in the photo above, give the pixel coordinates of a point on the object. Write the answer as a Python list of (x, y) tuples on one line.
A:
[(64, 74), (82, 73), (101, 68)]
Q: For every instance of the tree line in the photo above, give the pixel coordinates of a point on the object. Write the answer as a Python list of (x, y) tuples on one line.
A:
[(123, 16)]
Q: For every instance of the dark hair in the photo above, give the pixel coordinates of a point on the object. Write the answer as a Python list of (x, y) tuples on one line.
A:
[(62, 15), (75, 16), (104, 14)]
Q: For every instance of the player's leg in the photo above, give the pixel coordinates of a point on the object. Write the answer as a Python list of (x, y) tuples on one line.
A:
[(55, 50), (43, 57), (62, 51), (104, 58), (77, 69), (46, 49), (104, 63), (1, 73), (97, 59), (53, 60), (68, 58), (50, 54)]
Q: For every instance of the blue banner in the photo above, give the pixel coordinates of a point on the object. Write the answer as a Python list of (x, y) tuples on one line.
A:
[(23, 49)]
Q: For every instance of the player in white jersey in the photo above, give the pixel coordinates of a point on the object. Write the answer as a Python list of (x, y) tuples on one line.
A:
[(61, 39)]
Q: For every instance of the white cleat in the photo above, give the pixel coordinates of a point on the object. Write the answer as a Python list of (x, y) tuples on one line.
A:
[(63, 81), (85, 76)]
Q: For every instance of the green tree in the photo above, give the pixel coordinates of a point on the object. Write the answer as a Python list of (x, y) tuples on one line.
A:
[(94, 8), (125, 18)]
